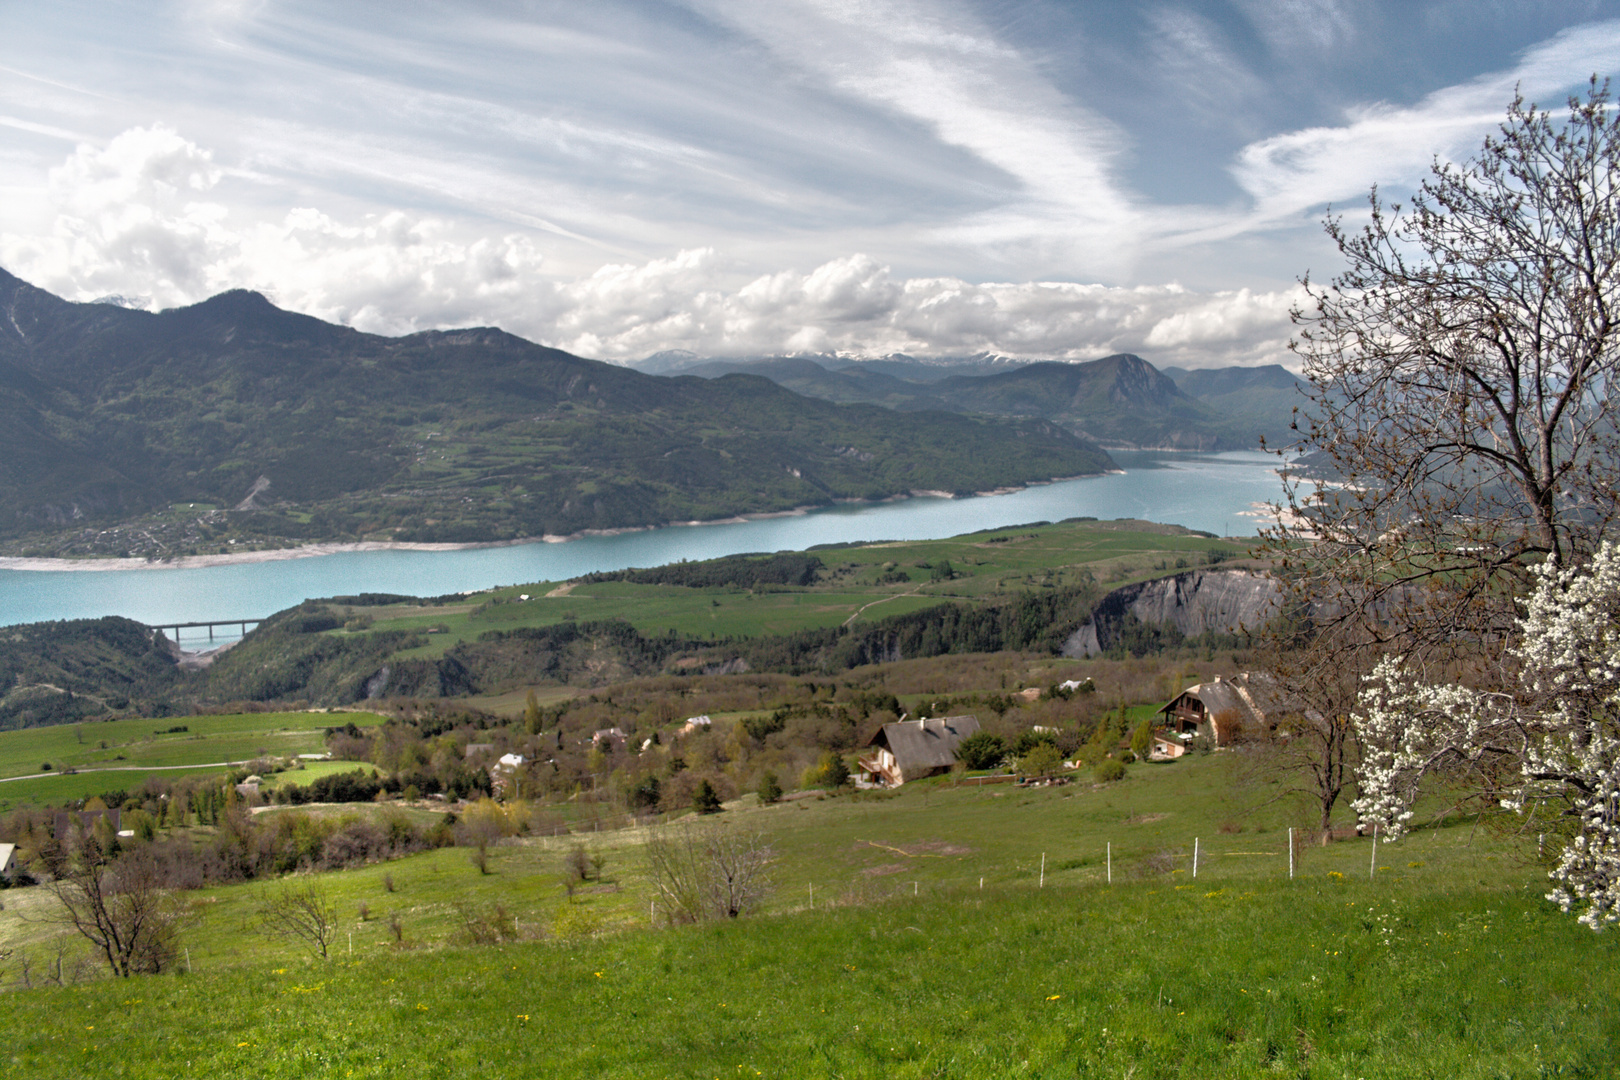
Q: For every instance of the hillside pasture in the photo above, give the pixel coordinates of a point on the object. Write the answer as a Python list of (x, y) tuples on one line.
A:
[(112, 754), (1448, 962)]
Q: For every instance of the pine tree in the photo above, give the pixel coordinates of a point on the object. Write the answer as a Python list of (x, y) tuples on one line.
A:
[(705, 800)]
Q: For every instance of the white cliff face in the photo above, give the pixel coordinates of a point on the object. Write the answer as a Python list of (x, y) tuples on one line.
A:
[(1195, 602)]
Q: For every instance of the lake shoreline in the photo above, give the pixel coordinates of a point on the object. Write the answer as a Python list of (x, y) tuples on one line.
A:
[(322, 548)]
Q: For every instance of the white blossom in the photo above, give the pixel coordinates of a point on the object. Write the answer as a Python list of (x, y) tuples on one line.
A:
[(1559, 727)]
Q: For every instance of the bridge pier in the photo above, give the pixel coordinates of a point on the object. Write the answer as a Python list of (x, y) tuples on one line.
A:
[(208, 624)]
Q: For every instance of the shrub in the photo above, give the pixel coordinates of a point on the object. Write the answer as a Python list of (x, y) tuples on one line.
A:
[(703, 873), (982, 750), (1043, 759), (1029, 740), (829, 772), (1142, 739), (645, 795), (1108, 770), (770, 788)]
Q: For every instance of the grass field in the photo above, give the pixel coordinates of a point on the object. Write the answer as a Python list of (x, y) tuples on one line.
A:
[(1445, 961), (999, 562), (119, 753)]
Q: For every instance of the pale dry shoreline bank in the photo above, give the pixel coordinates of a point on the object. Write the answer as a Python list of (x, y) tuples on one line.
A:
[(315, 550)]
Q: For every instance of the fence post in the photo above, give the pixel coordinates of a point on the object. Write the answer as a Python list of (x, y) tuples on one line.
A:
[(1042, 885), (1290, 853), (812, 896), (1372, 869), (1195, 858), (1110, 862)]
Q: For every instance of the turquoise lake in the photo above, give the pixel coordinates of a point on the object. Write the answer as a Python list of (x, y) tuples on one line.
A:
[(1217, 493)]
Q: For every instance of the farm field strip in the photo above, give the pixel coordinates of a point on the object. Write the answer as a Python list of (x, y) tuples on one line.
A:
[(147, 742), (55, 789)]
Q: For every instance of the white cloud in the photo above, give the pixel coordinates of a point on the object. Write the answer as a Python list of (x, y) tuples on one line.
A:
[(853, 305), (135, 219), (139, 218), (1294, 172), (936, 65), (1290, 26), (132, 210)]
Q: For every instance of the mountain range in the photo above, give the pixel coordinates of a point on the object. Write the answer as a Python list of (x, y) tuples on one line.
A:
[(1119, 401), (234, 420)]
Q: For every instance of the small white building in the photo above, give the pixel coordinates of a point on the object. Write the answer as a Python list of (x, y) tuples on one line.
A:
[(8, 853), (1167, 746), (511, 761), (695, 723)]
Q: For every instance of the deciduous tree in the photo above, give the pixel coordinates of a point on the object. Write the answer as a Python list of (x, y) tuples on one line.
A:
[(707, 871), (1556, 726), (122, 906), (302, 912), (1459, 372)]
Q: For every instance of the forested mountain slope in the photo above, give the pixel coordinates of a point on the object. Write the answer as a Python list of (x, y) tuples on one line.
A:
[(297, 428), (1118, 401)]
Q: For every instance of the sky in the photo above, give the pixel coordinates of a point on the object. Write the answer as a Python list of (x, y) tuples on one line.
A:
[(1030, 178)]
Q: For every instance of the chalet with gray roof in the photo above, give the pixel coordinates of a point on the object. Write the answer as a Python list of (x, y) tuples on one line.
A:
[(84, 820), (912, 749), (1225, 710)]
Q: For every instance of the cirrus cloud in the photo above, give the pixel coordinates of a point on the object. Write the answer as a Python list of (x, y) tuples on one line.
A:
[(137, 218)]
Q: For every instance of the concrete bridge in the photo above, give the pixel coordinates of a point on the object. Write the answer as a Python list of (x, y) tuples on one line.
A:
[(179, 626)]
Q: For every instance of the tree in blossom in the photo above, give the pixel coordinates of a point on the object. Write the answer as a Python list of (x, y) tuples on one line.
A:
[(1555, 732)]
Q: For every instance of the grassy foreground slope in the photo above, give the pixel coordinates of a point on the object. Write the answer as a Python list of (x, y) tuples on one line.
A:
[(1048, 984), (1448, 964)]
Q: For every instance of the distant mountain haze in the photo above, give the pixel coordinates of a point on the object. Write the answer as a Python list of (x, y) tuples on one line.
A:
[(316, 431), (1119, 401)]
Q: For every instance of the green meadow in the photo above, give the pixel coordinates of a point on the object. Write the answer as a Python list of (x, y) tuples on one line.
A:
[(934, 931), (95, 756)]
